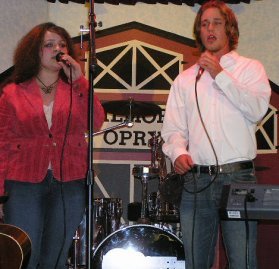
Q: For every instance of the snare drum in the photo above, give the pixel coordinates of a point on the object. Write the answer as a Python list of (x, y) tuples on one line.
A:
[(140, 247)]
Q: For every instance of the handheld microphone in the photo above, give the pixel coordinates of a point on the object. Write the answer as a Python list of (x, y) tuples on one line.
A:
[(200, 72), (58, 58)]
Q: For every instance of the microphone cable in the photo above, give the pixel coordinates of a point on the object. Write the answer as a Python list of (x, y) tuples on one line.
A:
[(61, 168), (196, 191), (209, 139)]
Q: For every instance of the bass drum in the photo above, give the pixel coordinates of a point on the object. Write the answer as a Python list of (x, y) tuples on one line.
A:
[(140, 247)]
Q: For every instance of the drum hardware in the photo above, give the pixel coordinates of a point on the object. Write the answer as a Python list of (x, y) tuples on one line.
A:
[(173, 228), (131, 108), (167, 211), (145, 173), (126, 123), (154, 147), (167, 222), (75, 250), (161, 211), (154, 208), (106, 220)]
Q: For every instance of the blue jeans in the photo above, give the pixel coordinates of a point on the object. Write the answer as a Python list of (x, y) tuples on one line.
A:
[(206, 223), (41, 210)]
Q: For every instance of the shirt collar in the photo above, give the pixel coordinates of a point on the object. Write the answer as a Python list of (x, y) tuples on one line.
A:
[(229, 59)]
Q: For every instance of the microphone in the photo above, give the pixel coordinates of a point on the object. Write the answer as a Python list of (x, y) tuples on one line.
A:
[(200, 72), (58, 58)]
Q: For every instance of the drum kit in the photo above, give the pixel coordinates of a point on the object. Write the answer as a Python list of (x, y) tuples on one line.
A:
[(150, 243)]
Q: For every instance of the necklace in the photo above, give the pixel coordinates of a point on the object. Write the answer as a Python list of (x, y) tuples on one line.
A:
[(47, 89)]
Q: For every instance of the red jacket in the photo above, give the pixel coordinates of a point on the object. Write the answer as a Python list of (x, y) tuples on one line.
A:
[(27, 146)]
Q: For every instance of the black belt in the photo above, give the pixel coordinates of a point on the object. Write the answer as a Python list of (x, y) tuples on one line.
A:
[(223, 168)]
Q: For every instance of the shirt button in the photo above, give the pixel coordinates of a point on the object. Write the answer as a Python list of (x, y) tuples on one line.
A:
[(54, 144), (50, 135)]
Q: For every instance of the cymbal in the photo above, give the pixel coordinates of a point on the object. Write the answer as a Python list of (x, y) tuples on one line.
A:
[(131, 108)]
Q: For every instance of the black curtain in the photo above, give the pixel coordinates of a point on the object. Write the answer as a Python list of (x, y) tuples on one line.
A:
[(133, 2)]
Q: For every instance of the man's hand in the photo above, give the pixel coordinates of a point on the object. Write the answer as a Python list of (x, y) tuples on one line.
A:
[(210, 63), (183, 164)]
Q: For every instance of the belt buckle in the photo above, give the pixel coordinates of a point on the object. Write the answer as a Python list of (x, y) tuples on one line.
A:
[(214, 169), (209, 170)]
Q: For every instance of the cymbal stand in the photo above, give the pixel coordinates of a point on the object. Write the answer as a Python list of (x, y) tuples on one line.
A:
[(75, 261), (153, 144), (126, 123), (144, 214)]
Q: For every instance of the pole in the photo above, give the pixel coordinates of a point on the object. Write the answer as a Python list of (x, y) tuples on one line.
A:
[(90, 173)]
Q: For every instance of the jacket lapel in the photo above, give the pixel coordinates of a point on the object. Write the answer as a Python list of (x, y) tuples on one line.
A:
[(61, 102)]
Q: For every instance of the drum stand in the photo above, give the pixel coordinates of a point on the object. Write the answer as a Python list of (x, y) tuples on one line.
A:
[(75, 246), (146, 173)]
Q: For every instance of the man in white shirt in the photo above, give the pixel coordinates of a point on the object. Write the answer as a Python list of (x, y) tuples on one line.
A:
[(209, 132)]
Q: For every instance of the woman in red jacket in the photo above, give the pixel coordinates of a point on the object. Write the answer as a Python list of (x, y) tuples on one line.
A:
[(43, 151)]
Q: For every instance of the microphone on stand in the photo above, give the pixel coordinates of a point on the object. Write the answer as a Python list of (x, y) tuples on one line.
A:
[(58, 58), (200, 72)]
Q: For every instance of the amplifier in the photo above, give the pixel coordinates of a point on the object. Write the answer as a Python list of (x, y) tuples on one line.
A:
[(262, 202)]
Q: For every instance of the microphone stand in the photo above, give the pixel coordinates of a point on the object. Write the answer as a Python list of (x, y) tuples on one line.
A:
[(90, 173), (126, 123)]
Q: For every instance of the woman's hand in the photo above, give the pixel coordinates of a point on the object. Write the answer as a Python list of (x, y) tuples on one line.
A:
[(68, 64)]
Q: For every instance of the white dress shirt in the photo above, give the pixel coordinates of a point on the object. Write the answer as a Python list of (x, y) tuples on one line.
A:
[(230, 106)]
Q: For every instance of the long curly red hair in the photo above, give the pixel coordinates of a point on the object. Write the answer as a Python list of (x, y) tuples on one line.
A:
[(27, 59)]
